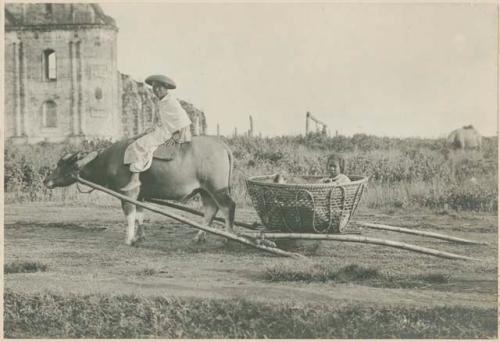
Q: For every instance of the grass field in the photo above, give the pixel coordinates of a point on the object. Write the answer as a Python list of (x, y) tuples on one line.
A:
[(98, 316), (68, 273), (404, 173)]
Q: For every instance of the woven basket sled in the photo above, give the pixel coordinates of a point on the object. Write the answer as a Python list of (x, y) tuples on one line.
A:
[(305, 208)]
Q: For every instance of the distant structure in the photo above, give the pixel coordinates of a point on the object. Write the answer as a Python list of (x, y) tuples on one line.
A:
[(139, 107), (198, 118), (321, 127), (62, 81), (60, 72)]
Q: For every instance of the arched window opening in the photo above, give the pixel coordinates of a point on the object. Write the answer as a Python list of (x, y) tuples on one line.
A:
[(48, 9), (98, 93), (50, 67), (49, 114)]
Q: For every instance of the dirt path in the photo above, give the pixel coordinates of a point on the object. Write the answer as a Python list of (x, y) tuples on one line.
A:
[(84, 250)]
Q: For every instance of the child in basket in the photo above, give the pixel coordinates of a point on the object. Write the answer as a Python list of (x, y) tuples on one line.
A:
[(335, 167), (279, 179)]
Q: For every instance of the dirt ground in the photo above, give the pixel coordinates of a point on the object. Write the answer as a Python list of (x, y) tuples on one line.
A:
[(85, 252)]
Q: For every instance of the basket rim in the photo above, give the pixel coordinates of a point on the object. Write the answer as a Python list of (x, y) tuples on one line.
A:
[(259, 180)]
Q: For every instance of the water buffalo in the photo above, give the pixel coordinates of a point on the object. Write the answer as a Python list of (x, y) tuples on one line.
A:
[(466, 137), (203, 166)]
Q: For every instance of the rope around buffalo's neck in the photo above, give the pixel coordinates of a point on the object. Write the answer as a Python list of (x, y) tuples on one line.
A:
[(81, 191), (76, 174)]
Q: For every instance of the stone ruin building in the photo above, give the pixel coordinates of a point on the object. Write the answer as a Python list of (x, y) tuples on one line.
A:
[(61, 77), (138, 107)]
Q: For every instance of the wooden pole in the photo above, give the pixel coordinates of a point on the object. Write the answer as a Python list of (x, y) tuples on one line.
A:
[(198, 213), (307, 122), (250, 132), (182, 219), (316, 119), (235, 131), (418, 232), (359, 239), (218, 130)]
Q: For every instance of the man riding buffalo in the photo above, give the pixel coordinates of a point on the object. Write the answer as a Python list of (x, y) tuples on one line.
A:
[(203, 166), (172, 126)]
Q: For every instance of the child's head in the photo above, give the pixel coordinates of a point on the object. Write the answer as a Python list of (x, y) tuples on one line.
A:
[(279, 178), (335, 165)]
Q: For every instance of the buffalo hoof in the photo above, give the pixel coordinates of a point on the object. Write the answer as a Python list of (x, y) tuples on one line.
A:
[(132, 243), (201, 237), (140, 235)]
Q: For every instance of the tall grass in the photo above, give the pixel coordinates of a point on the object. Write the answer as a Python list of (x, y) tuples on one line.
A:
[(47, 315), (352, 273), (24, 267), (403, 172)]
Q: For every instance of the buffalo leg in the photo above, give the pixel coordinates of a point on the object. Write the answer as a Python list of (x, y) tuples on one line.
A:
[(227, 206), (139, 217), (130, 211), (210, 209)]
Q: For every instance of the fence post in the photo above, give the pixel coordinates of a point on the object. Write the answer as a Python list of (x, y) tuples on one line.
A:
[(235, 131), (250, 132), (307, 122), (218, 129)]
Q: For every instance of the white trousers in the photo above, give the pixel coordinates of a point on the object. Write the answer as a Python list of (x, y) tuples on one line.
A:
[(139, 154)]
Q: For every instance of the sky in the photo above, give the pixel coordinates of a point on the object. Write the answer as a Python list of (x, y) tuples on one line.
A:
[(398, 70)]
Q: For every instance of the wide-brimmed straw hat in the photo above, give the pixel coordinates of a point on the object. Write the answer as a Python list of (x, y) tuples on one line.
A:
[(166, 81)]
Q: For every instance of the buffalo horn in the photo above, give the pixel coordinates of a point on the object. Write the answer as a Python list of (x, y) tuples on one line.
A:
[(87, 159), (68, 156)]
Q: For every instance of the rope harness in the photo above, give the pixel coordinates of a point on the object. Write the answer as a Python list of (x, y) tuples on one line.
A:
[(79, 189)]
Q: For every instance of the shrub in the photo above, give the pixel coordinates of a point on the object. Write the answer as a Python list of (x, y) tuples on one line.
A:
[(24, 267), (394, 166)]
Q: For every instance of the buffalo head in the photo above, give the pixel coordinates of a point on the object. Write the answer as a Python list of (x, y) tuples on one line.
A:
[(67, 167)]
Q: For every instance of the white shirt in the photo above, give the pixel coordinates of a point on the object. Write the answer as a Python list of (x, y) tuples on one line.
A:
[(171, 115)]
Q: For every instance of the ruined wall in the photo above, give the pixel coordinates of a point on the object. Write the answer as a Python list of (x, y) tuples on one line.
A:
[(41, 14), (83, 87), (197, 117), (82, 96), (140, 106)]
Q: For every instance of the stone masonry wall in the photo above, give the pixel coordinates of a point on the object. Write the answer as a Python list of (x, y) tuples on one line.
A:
[(139, 108), (91, 98), (85, 89)]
